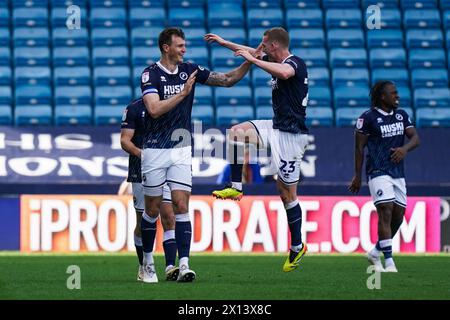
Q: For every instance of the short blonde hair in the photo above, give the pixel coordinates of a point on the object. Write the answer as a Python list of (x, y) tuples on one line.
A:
[(279, 35)]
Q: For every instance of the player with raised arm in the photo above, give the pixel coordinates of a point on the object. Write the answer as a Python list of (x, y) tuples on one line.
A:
[(382, 129), (131, 139), (286, 134), (168, 93)]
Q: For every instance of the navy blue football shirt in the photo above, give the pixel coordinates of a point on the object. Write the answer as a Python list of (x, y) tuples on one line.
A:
[(134, 117), (384, 131), (157, 79)]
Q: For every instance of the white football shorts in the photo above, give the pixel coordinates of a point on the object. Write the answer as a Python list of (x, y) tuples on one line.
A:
[(138, 195), (387, 189), (171, 166), (287, 149)]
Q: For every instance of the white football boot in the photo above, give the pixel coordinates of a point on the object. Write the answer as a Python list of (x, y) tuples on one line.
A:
[(186, 274), (150, 273), (390, 266), (140, 275), (375, 260), (172, 273)]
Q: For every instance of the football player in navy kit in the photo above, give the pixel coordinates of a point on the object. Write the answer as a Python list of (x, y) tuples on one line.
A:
[(286, 134), (382, 129), (168, 93), (131, 139)]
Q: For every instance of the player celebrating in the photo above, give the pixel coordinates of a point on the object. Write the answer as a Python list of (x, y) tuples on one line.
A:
[(168, 92), (382, 129), (131, 140), (286, 133)]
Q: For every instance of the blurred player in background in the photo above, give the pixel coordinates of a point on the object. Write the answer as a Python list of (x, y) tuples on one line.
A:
[(286, 134), (168, 93), (131, 139), (382, 129)]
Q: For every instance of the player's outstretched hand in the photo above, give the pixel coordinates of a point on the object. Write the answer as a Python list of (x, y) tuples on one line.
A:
[(355, 185), (211, 37), (189, 83), (245, 54), (397, 154)]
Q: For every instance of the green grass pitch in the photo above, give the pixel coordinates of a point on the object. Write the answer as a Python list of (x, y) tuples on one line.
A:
[(223, 277)]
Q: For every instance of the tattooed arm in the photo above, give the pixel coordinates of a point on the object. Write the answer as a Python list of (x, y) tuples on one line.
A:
[(228, 79)]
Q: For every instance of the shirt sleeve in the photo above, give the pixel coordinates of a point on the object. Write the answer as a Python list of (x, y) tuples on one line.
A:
[(149, 82), (362, 124), (407, 122), (128, 119), (202, 74), (299, 67)]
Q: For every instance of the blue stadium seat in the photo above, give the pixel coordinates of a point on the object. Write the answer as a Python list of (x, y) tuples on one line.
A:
[(230, 115), (71, 56), (301, 4), (112, 76), (33, 95), (4, 17), (5, 76), (239, 96), (424, 38), (262, 96), (255, 36), (318, 77), (187, 18), (110, 56), (447, 39), (106, 115), (30, 17), (144, 56), (137, 92), (147, 17), (73, 95), (145, 4), (32, 75), (390, 18), (107, 3), (113, 95), (225, 15), (444, 4), (319, 97), (203, 113), (398, 75), (63, 37), (5, 115), (29, 3), (108, 17), (5, 95), (404, 94), (66, 3), (446, 19), (109, 37), (222, 57), (351, 97), (429, 78), (264, 112), (185, 3), (383, 4), (344, 38), (203, 95), (145, 36), (344, 77), (5, 56), (350, 58), (426, 58), (198, 55), (304, 18), (264, 18), (73, 115), (5, 38), (430, 117), (306, 38), (418, 4), (64, 76), (346, 117), (385, 38), (336, 4), (236, 35), (392, 58), (343, 18), (59, 18), (37, 56), (33, 115), (31, 37), (246, 81), (137, 73), (313, 57), (263, 4), (319, 117), (436, 97), (430, 18), (260, 78), (194, 37)]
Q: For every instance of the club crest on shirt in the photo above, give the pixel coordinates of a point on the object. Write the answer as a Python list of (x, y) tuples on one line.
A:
[(379, 120), (145, 77), (359, 123), (183, 76), (124, 115), (399, 117)]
